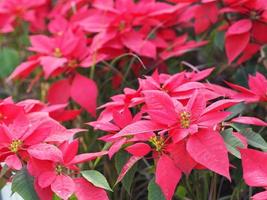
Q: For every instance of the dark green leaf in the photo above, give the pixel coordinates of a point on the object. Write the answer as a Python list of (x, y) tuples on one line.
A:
[(219, 39), (23, 185), (120, 159), (9, 59), (154, 191), (96, 178), (180, 192)]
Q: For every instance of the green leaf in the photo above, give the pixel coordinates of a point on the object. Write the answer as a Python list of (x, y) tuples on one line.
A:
[(219, 39), (180, 192), (55, 197), (73, 197), (232, 142), (9, 59), (96, 178), (154, 191), (236, 110), (23, 185), (4, 170), (120, 159), (254, 139)]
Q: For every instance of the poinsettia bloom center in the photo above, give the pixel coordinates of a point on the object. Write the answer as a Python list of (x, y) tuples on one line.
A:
[(59, 169), (15, 146), (73, 63), (255, 15), (57, 52), (122, 26), (185, 119), (158, 142)]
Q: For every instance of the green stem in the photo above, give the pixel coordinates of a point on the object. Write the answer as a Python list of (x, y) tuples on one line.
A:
[(106, 146)]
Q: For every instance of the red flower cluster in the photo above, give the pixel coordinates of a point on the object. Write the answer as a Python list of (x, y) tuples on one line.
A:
[(81, 34), (178, 119), (30, 139)]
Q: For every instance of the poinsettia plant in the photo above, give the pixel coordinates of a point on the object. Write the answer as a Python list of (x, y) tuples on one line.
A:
[(133, 99)]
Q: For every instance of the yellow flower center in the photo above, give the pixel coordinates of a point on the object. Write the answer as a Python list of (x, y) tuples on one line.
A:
[(57, 52), (73, 63), (185, 119), (15, 146), (122, 26), (59, 169), (158, 142), (254, 15)]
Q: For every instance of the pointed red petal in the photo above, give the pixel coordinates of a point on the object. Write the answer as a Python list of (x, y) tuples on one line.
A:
[(239, 27), (254, 167), (87, 191), (63, 186), (142, 126), (130, 163), (160, 107), (116, 147), (249, 120), (208, 148), (59, 92), (181, 157), (13, 162), (46, 179), (87, 157), (139, 149), (45, 152), (196, 105), (70, 151), (167, 176), (138, 44), (260, 196), (84, 92), (221, 105), (235, 44), (50, 64)]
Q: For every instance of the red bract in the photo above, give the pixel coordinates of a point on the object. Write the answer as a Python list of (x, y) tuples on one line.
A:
[(32, 12), (120, 120), (257, 89), (254, 170), (205, 14), (244, 37), (55, 175), (80, 88)]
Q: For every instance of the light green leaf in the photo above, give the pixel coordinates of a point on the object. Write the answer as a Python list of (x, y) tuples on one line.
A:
[(232, 142), (154, 191), (236, 110), (254, 139), (96, 178), (23, 185)]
